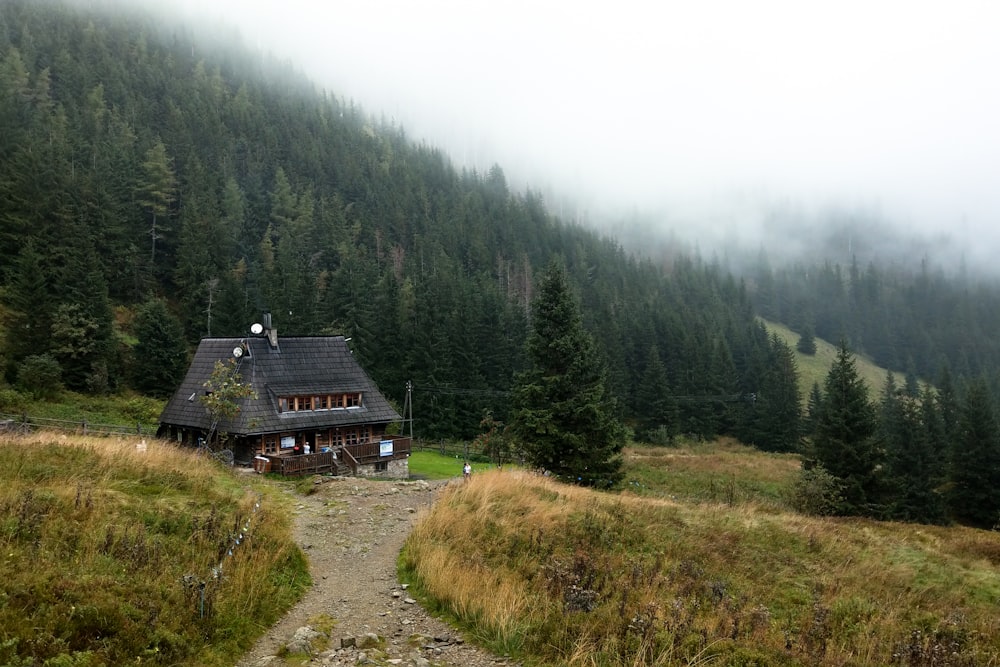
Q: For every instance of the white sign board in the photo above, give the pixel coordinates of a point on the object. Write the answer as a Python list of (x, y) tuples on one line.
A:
[(287, 441), (385, 448)]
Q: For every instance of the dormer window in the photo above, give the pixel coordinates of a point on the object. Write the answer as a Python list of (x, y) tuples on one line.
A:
[(320, 402)]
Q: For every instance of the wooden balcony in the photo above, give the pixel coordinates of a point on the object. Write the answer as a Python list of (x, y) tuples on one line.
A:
[(387, 448)]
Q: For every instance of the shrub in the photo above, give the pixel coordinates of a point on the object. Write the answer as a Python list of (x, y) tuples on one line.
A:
[(660, 436), (143, 409), (12, 400), (40, 375), (817, 492)]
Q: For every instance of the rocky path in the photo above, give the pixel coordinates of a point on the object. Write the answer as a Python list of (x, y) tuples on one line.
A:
[(352, 529)]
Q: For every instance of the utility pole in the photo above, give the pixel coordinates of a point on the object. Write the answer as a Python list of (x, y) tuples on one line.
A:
[(408, 408)]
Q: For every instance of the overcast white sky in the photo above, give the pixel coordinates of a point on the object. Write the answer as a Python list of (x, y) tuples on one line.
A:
[(888, 104)]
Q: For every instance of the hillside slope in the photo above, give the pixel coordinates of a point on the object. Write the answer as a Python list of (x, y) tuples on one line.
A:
[(575, 577), (116, 554), (225, 183), (813, 368)]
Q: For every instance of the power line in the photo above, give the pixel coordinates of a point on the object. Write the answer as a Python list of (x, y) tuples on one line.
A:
[(460, 391)]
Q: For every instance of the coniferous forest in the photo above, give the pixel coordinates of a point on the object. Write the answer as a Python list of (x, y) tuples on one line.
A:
[(161, 182)]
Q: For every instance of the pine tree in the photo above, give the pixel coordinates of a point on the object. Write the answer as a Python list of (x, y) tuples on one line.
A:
[(27, 327), (912, 468), (161, 353), (778, 404), (82, 326), (561, 410), (949, 405), (975, 492), (807, 341), (814, 405), (654, 405), (844, 442)]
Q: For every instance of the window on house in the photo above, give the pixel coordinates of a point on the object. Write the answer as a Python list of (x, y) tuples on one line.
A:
[(270, 445), (353, 400), (322, 402), (282, 404), (303, 403), (382, 466)]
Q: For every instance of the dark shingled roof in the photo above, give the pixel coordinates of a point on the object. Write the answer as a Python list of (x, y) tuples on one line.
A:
[(300, 365)]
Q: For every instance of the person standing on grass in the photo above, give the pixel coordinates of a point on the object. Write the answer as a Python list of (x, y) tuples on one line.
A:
[(467, 470)]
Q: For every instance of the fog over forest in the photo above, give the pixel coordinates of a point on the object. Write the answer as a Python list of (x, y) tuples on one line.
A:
[(722, 122)]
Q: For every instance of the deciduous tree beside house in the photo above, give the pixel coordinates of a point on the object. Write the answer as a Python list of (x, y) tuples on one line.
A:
[(224, 391)]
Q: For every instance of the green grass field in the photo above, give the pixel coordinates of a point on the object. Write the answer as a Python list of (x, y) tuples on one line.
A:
[(814, 368), (428, 464)]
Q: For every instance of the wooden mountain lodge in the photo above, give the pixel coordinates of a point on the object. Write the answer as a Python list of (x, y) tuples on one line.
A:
[(309, 394)]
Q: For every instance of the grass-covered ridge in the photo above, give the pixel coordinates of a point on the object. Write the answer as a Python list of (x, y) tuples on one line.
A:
[(813, 368), (105, 550), (569, 576)]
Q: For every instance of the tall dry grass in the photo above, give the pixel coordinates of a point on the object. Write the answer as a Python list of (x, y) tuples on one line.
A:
[(117, 553), (575, 577)]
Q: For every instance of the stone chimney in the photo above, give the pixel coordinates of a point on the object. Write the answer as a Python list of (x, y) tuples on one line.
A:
[(270, 332)]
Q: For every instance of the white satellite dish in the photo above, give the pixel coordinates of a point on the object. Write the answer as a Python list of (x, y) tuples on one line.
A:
[(237, 352), (256, 328)]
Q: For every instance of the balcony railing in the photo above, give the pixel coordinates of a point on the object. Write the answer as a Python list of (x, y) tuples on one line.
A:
[(387, 448)]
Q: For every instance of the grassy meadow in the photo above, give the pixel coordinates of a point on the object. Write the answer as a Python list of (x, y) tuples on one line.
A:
[(125, 410), (672, 572), (813, 368), (723, 471), (113, 556)]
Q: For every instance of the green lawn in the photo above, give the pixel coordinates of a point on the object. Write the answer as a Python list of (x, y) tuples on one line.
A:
[(427, 464)]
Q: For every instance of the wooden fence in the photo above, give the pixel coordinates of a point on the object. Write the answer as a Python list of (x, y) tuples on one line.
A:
[(24, 424)]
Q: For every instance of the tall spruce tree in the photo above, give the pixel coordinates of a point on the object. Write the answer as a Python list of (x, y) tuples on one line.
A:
[(161, 353), (913, 470), (778, 404), (845, 436), (814, 405), (561, 410), (654, 404), (27, 329), (975, 491)]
